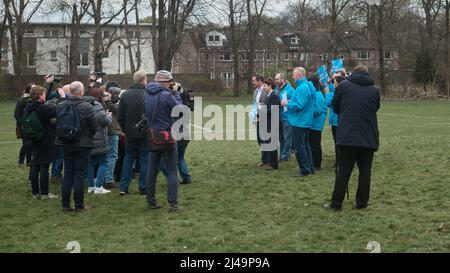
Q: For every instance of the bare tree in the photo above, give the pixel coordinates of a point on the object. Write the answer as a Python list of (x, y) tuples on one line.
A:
[(3, 27), (19, 14), (102, 19), (447, 48), (303, 19), (334, 12), (129, 42), (169, 18), (255, 9), (236, 13)]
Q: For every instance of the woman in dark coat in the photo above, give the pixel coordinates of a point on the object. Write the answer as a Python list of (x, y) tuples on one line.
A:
[(43, 150)]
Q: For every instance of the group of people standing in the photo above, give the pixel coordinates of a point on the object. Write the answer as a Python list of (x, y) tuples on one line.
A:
[(351, 104), (80, 133)]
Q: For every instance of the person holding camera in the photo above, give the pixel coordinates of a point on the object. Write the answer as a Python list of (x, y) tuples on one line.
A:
[(159, 103), (25, 150), (356, 101), (129, 115), (177, 92), (51, 85), (114, 131)]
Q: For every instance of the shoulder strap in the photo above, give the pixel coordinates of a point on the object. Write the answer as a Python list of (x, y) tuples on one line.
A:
[(155, 110)]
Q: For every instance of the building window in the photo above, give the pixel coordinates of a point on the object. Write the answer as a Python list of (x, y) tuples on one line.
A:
[(268, 57), (295, 40), (106, 34), (226, 75), (53, 56), (388, 55), (225, 57), (245, 57), (286, 57), (55, 34), (137, 35), (31, 59), (105, 54), (84, 59), (29, 31), (324, 57), (363, 55), (47, 34), (214, 38), (211, 76)]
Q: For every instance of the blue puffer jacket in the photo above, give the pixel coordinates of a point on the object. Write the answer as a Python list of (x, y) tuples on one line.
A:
[(301, 105), (163, 119), (333, 117), (289, 91), (320, 112)]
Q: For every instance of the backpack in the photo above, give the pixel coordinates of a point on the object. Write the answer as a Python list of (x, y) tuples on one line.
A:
[(68, 127), (32, 128)]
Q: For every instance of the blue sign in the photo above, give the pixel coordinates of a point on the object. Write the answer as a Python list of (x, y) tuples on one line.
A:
[(323, 74), (337, 65)]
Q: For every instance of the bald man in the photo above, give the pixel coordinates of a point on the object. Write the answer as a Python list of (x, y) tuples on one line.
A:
[(76, 153)]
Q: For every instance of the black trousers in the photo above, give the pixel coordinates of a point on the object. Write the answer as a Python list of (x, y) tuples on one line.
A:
[(271, 158), (347, 158), (334, 130), (315, 139), (39, 179), (25, 152)]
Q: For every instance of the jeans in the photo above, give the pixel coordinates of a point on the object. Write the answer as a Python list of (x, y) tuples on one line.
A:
[(58, 163), (315, 140), (76, 161), (134, 149), (39, 177), (170, 157), (111, 157), (101, 171), (182, 166), (25, 152), (286, 142), (300, 140), (347, 158)]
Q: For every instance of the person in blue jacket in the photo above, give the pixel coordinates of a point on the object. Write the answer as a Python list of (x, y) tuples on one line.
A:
[(320, 115), (286, 91), (301, 106), (333, 117), (158, 95)]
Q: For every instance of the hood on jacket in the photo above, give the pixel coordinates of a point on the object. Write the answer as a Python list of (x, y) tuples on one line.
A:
[(362, 78), (154, 88), (32, 105)]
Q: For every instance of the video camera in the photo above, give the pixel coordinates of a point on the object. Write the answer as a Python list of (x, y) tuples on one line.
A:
[(96, 79), (115, 94)]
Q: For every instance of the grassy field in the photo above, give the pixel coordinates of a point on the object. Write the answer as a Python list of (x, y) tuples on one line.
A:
[(234, 206)]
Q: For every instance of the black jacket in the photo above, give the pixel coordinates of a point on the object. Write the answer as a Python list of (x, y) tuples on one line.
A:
[(44, 151), (357, 101), (131, 109), (87, 120), (269, 101)]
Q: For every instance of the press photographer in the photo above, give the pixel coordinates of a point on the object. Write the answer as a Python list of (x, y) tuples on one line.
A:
[(51, 85)]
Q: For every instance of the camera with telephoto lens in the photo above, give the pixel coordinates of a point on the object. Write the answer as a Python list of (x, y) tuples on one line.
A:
[(140, 125), (57, 79), (115, 94)]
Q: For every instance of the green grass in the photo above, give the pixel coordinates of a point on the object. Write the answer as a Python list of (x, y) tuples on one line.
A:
[(234, 206)]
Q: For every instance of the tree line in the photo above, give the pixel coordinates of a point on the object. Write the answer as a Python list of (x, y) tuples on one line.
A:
[(417, 29)]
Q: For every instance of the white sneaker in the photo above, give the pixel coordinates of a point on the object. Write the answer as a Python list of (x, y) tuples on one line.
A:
[(49, 196), (91, 189), (101, 190)]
